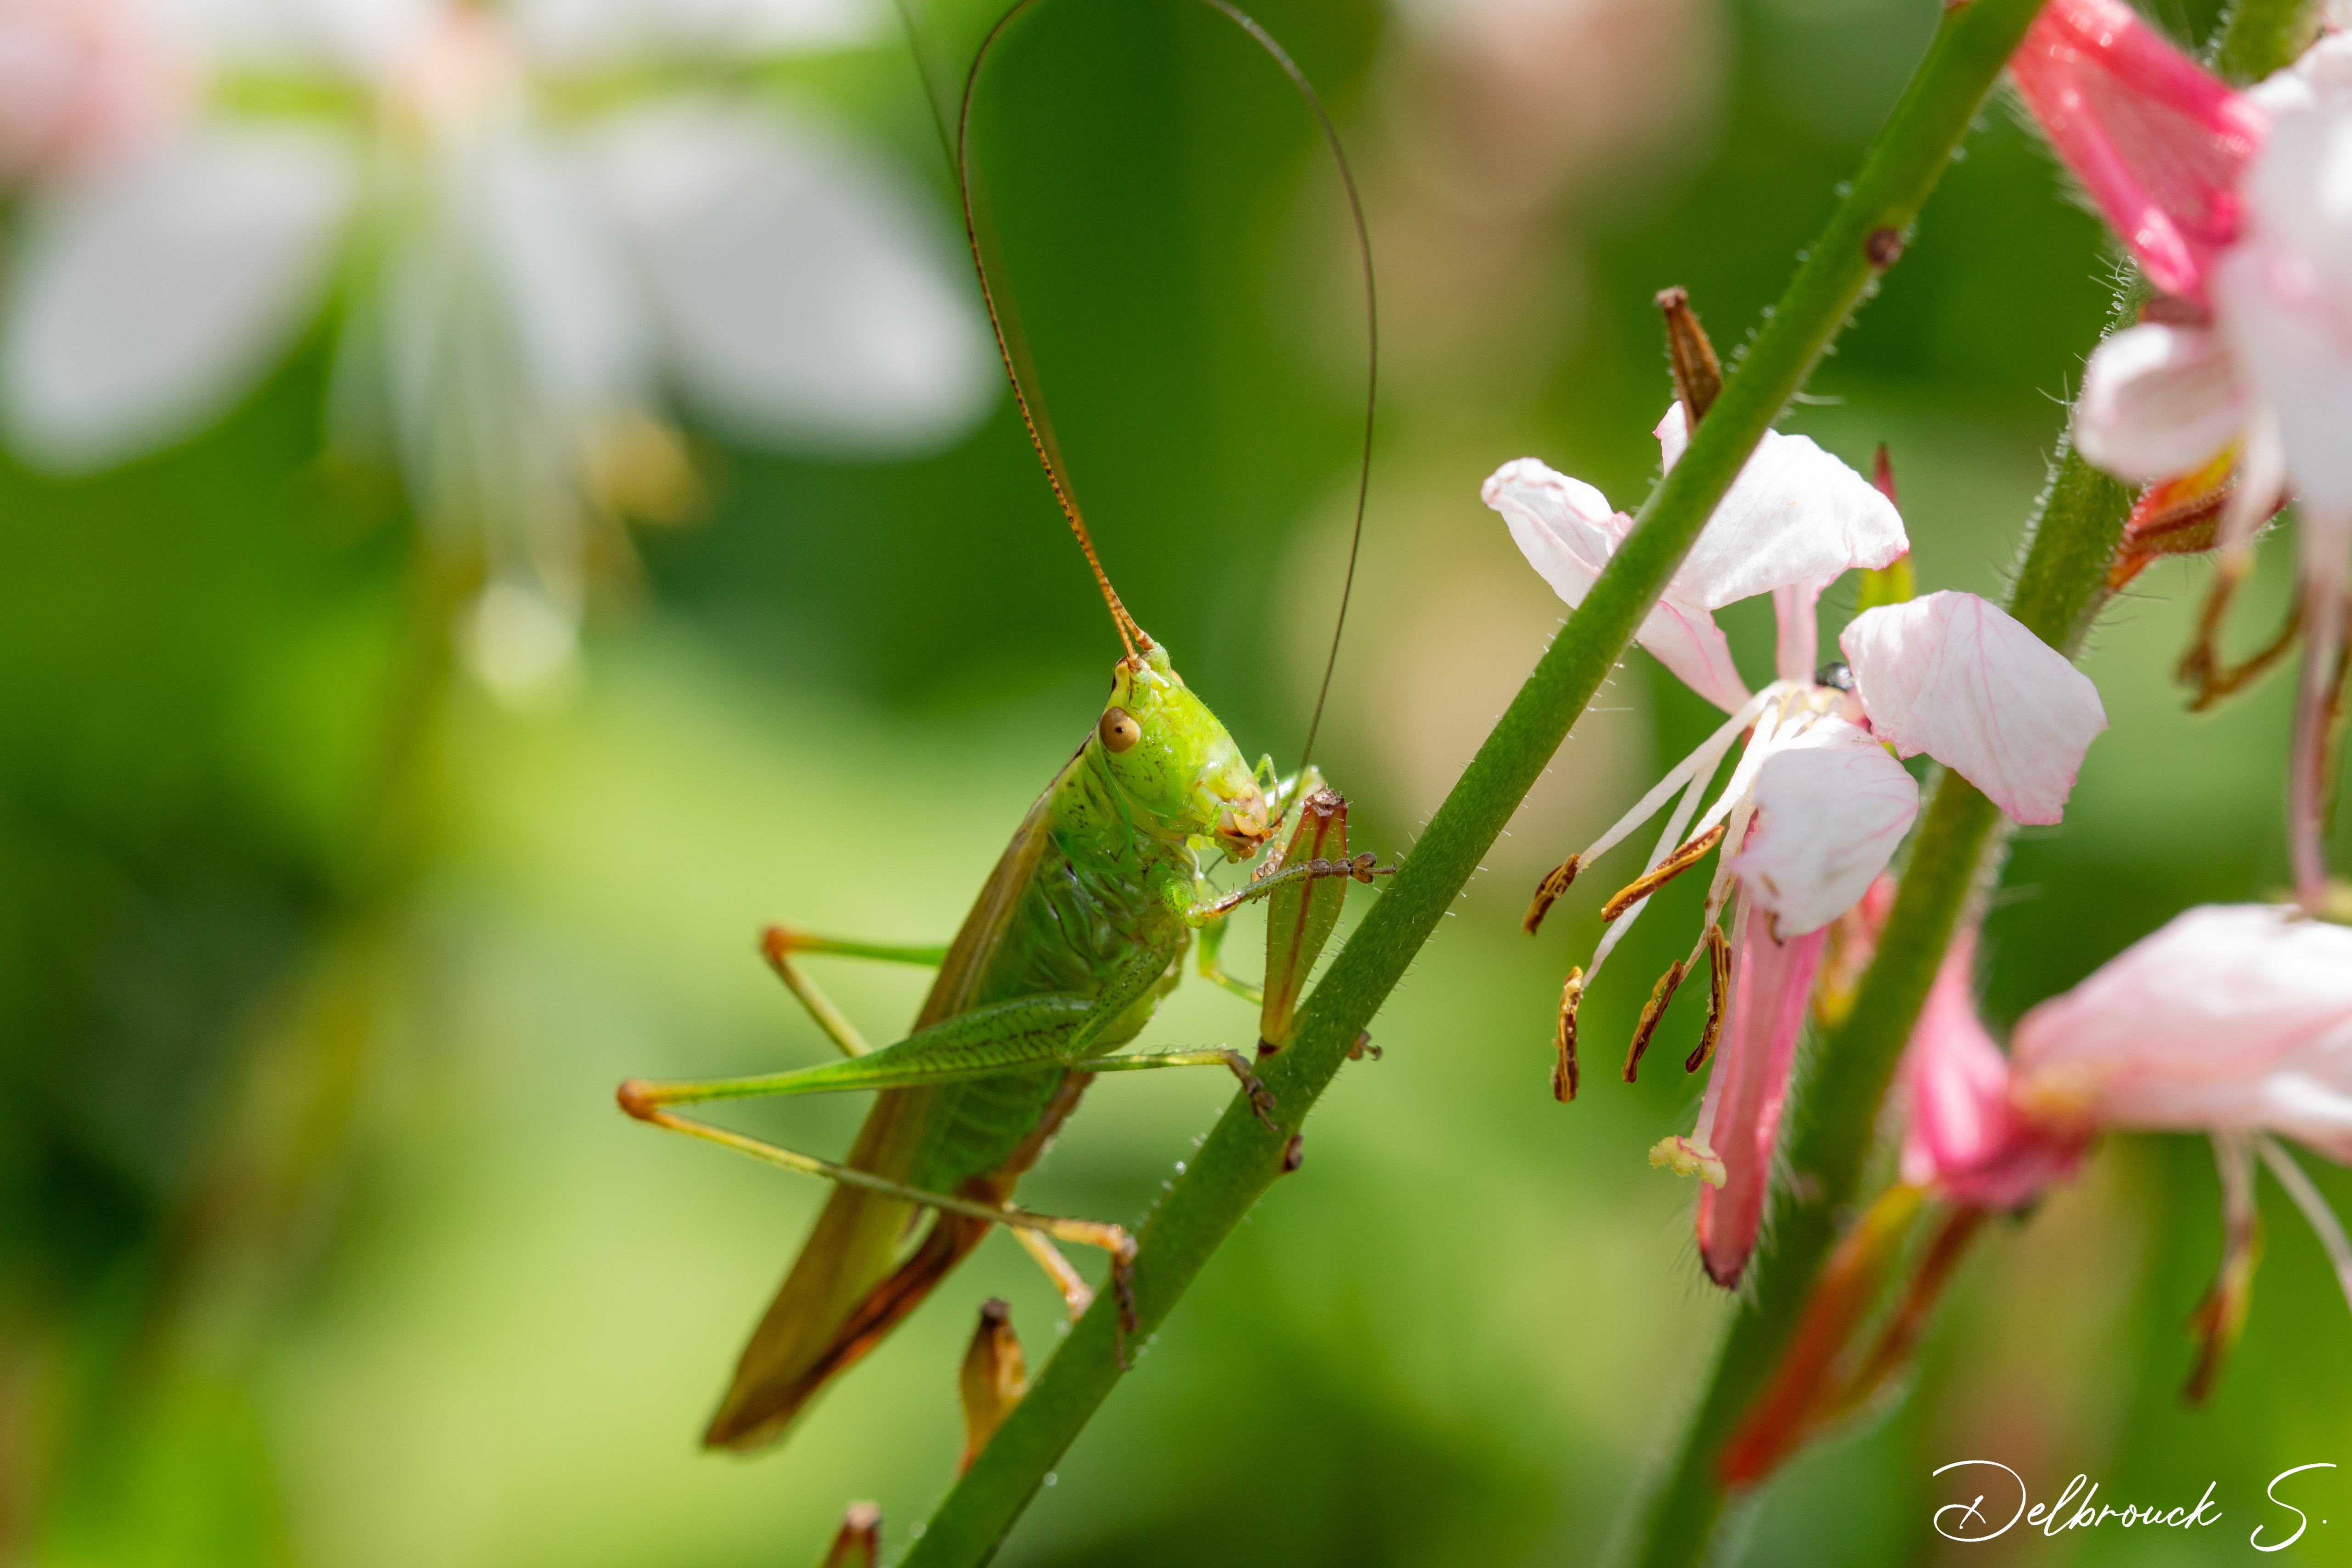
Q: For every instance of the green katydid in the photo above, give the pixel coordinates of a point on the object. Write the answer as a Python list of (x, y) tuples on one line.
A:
[(1073, 939)]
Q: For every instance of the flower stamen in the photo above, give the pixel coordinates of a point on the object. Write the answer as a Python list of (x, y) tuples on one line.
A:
[(1556, 882), (1719, 963), (1692, 852), (1662, 993), (1563, 1072)]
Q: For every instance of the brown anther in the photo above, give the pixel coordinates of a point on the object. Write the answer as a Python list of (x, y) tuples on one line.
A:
[(993, 1379), (638, 1098), (1361, 867), (1363, 1048), (1652, 1010), (1666, 870), (859, 1544), (1547, 892), (1719, 965), (1699, 375), (1294, 1153), (1563, 1072), (1885, 247)]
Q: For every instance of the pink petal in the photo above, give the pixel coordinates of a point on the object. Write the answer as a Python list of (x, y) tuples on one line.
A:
[(1566, 530), (1796, 645), (2158, 401), (1832, 808), (1687, 640), (1958, 679), (1795, 514), (1963, 1135), (2232, 1018), (2156, 140), (1771, 982)]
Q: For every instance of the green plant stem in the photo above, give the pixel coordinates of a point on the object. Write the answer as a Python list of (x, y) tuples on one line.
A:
[(1241, 1157), (2059, 588)]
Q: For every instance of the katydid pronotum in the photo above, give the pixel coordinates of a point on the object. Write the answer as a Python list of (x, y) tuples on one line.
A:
[(1075, 937)]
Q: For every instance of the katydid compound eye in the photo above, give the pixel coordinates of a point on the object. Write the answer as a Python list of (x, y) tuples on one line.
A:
[(1118, 729)]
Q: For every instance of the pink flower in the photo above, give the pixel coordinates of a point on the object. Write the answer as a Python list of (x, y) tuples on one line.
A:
[(2241, 204), (2233, 1017), (2157, 142), (1964, 1137), (2233, 1021), (1816, 806)]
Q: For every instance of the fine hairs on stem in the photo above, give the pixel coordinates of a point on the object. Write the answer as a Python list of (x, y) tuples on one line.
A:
[(2060, 587), (1241, 1157)]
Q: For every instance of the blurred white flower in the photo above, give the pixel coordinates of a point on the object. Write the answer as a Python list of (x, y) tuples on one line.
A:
[(546, 237), (80, 79)]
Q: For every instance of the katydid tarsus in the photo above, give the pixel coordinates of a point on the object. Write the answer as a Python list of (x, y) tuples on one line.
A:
[(1073, 939)]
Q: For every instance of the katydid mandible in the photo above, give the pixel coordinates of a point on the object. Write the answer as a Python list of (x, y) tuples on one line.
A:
[(1075, 937)]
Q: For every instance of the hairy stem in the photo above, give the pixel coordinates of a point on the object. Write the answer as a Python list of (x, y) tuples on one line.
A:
[(1242, 1157), (2059, 589)]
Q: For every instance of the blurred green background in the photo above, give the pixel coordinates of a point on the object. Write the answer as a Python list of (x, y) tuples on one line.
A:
[(321, 1239)]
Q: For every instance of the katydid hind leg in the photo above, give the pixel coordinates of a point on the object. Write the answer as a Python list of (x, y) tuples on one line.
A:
[(781, 946)]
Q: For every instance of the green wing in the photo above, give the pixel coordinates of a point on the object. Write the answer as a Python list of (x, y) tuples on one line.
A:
[(848, 1287)]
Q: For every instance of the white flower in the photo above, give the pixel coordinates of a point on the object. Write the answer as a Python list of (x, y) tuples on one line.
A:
[(532, 281)]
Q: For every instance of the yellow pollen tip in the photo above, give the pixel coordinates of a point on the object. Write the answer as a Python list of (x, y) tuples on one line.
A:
[(1689, 1157)]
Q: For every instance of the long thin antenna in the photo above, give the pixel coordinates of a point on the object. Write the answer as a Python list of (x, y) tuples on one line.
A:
[(1039, 433), (1129, 634)]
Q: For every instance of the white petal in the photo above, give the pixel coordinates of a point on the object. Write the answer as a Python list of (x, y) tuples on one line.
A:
[(1565, 528), (2231, 1017), (150, 299), (576, 309), (1562, 525), (808, 294), (571, 33), (1794, 514), (2157, 401), (2286, 299), (1832, 808), (367, 38), (1958, 679), (2321, 79)]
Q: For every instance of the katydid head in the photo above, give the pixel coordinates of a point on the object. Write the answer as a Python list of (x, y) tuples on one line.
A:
[(1172, 762)]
